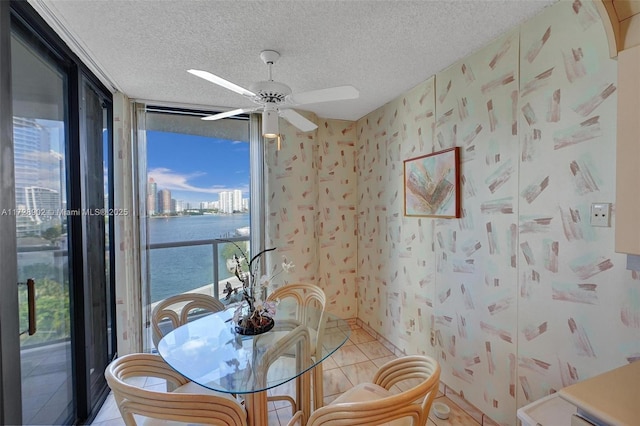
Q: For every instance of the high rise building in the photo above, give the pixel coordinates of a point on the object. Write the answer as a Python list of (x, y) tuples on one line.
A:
[(237, 200), (231, 201), (152, 197), (225, 198), (26, 143), (164, 201), (44, 203)]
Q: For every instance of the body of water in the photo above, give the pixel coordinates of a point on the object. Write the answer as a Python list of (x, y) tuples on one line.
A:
[(180, 269)]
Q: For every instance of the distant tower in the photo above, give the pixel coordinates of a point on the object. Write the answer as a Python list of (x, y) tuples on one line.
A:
[(237, 200), (164, 201), (26, 145), (226, 201), (152, 197)]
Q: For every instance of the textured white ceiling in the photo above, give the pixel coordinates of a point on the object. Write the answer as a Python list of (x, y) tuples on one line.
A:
[(383, 48)]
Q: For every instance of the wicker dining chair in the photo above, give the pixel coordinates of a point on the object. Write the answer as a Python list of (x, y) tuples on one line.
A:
[(177, 309), (310, 302), (185, 404), (375, 403)]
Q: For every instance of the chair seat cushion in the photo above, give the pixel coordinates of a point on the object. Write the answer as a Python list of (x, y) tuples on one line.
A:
[(369, 392)]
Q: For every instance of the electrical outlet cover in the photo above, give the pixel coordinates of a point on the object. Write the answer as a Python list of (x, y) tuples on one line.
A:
[(601, 214)]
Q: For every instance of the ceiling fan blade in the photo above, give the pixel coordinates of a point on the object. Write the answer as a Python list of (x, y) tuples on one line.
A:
[(222, 82), (324, 95), (297, 120), (228, 114)]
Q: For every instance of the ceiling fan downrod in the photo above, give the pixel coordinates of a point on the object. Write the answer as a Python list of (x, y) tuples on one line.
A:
[(269, 57)]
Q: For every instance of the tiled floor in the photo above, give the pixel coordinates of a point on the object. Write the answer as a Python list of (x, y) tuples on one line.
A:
[(353, 363)]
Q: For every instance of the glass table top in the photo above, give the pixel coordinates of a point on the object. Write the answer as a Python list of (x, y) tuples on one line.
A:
[(208, 351)]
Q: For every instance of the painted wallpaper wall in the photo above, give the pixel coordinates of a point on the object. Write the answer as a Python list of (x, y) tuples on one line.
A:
[(522, 295), (311, 209)]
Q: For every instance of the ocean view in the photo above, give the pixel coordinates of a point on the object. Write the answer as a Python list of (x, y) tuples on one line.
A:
[(179, 269)]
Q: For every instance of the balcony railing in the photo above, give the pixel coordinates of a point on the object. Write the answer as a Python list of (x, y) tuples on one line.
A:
[(179, 271)]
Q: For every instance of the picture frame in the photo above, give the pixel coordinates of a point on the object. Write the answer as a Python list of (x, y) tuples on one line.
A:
[(432, 185)]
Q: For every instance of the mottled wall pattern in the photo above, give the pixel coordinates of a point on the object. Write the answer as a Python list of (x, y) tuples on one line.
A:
[(311, 209), (578, 305), (395, 253), (476, 265), (523, 294)]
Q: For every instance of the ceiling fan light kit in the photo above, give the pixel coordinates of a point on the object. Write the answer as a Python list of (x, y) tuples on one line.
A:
[(276, 99), (270, 123)]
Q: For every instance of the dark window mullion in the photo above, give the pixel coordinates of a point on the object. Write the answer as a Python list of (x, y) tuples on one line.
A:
[(76, 276)]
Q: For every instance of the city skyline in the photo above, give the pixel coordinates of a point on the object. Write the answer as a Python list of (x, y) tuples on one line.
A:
[(194, 167), (161, 201)]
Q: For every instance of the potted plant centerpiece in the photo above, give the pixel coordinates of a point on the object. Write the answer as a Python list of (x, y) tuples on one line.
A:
[(254, 314)]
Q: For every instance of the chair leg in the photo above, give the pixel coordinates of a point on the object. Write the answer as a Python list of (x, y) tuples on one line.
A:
[(318, 387)]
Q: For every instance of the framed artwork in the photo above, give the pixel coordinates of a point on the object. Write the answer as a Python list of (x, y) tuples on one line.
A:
[(432, 184)]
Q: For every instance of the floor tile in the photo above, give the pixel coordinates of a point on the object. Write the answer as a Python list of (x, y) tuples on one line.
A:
[(284, 415), (334, 338), (360, 336), (348, 355), (109, 410), (329, 363), (273, 418), (379, 362), (335, 382), (153, 381), (159, 387), (288, 388), (374, 350), (112, 422), (361, 372)]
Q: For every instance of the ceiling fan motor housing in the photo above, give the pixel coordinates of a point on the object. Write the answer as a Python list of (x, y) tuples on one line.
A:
[(270, 92)]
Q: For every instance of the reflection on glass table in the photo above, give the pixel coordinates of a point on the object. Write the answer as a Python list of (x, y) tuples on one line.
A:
[(209, 352)]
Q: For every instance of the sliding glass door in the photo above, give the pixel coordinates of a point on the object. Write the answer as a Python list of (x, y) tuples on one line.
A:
[(54, 199), (40, 140)]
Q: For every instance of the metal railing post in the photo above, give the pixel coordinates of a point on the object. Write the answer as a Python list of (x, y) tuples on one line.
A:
[(215, 270)]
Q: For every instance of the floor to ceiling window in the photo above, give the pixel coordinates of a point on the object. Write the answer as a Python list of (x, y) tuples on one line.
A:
[(197, 198), (55, 200)]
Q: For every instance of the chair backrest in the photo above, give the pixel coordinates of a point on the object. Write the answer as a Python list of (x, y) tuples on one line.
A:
[(176, 309), (170, 406), (306, 297), (413, 403)]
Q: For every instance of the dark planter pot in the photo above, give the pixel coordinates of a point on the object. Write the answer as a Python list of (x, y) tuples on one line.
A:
[(266, 325)]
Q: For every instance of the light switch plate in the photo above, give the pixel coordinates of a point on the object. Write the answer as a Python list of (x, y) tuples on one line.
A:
[(601, 214)]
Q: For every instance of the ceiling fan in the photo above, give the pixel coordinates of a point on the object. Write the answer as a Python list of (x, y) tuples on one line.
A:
[(276, 99)]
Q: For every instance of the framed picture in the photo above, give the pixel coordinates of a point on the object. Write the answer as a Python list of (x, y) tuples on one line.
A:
[(432, 184)]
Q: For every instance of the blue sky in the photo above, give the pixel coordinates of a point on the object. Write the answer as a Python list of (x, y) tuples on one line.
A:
[(197, 168)]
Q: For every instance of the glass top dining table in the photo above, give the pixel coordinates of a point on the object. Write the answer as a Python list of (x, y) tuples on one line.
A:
[(209, 352)]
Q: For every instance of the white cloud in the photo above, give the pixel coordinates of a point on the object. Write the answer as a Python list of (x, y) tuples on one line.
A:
[(168, 179)]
